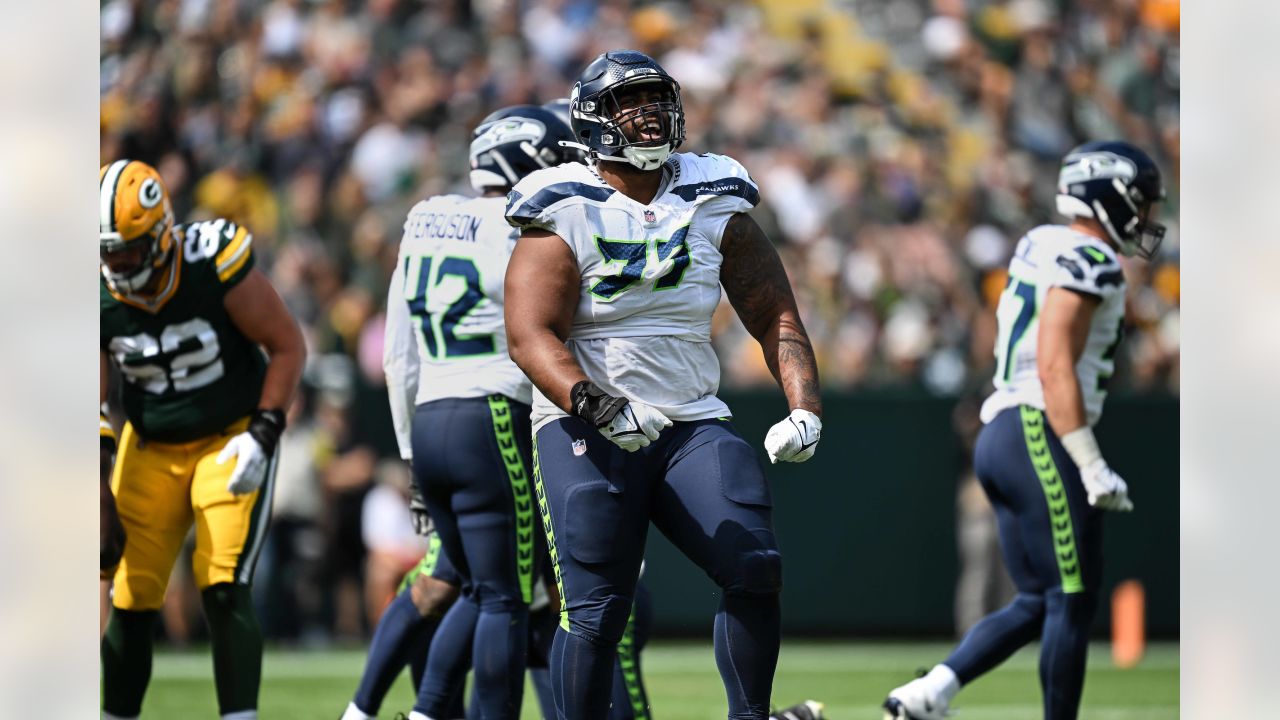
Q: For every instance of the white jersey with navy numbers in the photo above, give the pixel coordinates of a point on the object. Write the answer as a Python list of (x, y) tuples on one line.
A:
[(650, 277), (1056, 256), (445, 336)]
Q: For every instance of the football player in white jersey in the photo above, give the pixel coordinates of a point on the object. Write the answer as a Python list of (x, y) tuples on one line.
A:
[(610, 293), (469, 436), (1061, 319)]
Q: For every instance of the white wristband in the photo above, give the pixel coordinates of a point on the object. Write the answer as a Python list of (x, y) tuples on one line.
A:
[(1082, 446)]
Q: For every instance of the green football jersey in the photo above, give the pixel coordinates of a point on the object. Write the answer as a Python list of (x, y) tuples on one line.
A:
[(188, 371)]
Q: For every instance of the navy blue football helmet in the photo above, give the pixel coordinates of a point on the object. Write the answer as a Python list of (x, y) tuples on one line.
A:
[(513, 142), (560, 107), (643, 135), (1116, 184)]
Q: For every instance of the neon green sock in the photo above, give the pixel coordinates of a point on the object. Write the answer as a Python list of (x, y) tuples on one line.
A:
[(237, 646), (126, 660)]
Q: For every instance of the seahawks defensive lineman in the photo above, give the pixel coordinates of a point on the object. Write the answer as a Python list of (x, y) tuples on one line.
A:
[(610, 293), (1061, 319), (470, 437), (186, 317)]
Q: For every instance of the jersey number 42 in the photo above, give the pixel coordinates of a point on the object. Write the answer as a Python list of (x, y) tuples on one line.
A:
[(423, 276)]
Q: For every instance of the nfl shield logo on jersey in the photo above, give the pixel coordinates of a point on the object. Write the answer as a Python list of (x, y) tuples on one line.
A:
[(579, 448), (649, 216)]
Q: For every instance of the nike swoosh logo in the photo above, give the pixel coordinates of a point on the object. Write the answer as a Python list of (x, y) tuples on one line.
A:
[(804, 430)]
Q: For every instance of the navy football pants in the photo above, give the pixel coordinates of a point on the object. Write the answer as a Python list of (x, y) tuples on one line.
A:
[(1052, 543), (701, 484), (630, 700), (472, 462)]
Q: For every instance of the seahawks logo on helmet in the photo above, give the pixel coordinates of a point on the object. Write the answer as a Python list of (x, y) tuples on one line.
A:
[(513, 130), (1115, 184), (513, 142), (1093, 166)]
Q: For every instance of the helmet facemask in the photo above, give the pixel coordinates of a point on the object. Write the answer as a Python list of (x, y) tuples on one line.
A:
[(1140, 236), (643, 134), (157, 248), (1145, 236)]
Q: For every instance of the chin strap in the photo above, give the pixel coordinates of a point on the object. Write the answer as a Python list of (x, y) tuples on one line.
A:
[(579, 146), (633, 158), (610, 158)]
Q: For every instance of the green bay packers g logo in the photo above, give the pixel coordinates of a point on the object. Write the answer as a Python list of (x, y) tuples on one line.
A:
[(149, 194)]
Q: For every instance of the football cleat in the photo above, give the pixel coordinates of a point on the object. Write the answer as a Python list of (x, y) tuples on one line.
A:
[(807, 710), (915, 701)]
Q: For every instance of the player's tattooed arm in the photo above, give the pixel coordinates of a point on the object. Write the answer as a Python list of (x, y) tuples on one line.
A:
[(758, 289), (541, 290)]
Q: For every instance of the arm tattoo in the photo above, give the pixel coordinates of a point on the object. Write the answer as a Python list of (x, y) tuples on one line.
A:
[(758, 289)]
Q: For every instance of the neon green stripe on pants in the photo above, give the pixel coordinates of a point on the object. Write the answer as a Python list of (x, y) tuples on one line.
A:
[(629, 661), (500, 409), (545, 511), (425, 566), (1064, 543)]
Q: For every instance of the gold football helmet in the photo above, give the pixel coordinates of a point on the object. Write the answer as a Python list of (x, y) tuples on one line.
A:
[(137, 225)]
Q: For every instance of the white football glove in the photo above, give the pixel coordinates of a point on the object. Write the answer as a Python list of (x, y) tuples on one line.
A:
[(251, 463), (628, 424), (252, 450), (1107, 490), (795, 438), (635, 426)]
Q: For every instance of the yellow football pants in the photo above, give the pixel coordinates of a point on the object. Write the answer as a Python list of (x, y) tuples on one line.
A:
[(161, 488)]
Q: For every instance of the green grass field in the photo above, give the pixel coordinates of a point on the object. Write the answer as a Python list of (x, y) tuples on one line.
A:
[(851, 678)]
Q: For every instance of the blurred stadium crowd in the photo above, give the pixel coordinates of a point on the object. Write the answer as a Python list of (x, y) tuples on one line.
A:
[(901, 146)]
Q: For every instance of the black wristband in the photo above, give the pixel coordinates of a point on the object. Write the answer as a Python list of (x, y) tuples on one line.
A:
[(594, 405), (265, 427)]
